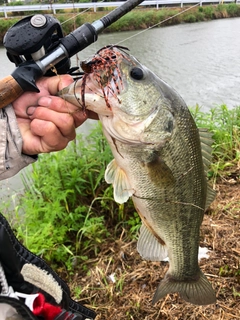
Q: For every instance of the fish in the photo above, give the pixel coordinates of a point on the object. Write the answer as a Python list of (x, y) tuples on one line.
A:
[(160, 160)]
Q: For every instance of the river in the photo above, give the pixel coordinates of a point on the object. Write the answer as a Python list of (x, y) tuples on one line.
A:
[(201, 61)]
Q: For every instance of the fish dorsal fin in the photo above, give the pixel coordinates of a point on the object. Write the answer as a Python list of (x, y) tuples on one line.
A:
[(149, 247), (211, 194), (117, 177), (206, 146)]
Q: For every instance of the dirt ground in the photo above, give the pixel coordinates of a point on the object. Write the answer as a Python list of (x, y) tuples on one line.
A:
[(120, 285)]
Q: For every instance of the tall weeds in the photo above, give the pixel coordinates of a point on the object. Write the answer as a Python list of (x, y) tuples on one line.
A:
[(224, 124), (65, 202)]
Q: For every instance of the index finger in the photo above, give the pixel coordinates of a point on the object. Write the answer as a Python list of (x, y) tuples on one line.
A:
[(54, 84), (59, 105), (46, 86)]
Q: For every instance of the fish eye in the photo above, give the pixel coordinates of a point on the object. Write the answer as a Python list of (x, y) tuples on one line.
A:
[(137, 73)]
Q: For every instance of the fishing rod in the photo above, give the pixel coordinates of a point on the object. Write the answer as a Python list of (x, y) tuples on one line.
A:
[(36, 44)]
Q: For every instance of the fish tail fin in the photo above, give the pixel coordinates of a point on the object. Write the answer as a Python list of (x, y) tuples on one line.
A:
[(199, 292)]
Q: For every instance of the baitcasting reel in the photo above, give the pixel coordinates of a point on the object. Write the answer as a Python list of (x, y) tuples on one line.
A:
[(36, 44), (34, 37)]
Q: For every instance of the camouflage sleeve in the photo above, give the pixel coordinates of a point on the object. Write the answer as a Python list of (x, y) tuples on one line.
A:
[(12, 160)]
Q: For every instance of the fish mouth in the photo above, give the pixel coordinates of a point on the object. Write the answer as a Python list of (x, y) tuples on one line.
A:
[(143, 120), (128, 130), (102, 82), (107, 88)]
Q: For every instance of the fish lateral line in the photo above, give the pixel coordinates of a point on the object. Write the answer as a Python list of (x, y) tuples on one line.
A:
[(168, 201)]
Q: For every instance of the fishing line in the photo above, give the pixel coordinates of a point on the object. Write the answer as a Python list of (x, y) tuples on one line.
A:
[(78, 14), (74, 17), (171, 202), (157, 24), (138, 33)]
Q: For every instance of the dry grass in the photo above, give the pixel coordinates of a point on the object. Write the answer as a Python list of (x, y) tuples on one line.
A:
[(129, 297)]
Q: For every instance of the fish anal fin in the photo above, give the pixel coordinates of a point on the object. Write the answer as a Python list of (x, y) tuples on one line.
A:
[(149, 247), (117, 177), (198, 292)]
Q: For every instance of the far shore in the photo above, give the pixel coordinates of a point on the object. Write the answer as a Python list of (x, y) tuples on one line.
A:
[(137, 19)]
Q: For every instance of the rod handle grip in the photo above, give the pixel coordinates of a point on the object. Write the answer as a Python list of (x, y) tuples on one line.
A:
[(10, 90)]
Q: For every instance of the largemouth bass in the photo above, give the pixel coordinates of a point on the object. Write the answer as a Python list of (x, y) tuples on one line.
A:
[(160, 160)]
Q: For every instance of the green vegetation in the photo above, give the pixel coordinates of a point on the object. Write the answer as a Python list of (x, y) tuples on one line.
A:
[(68, 208), (225, 126), (139, 18), (69, 211), (5, 25)]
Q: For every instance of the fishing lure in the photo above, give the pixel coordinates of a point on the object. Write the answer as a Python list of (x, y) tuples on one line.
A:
[(106, 59)]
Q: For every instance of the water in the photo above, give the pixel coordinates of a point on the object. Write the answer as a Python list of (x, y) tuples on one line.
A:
[(200, 60)]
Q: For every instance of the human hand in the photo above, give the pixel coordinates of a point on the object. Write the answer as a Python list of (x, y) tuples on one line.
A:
[(47, 123)]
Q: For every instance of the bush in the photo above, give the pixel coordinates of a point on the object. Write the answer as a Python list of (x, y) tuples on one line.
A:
[(221, 11), (190, 18), (200, 16), (233, 10), (208, 12)]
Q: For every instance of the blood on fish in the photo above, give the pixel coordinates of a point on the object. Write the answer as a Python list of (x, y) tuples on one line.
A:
[(106, 59)]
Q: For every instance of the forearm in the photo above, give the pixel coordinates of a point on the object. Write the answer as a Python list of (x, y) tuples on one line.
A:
[(11, 158)]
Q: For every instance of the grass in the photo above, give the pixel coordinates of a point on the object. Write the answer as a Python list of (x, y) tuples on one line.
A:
[(225, 127), (66, 196)]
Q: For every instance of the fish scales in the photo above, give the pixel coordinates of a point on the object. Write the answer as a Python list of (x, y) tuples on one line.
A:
[(156, 200), (157, 161)]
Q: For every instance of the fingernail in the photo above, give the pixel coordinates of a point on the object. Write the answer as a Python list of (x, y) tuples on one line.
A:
[(30, 111), (44, 101)]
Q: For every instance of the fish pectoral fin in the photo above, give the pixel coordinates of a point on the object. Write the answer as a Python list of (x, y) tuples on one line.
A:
[(110, 172), (199, 292), (149, 246), (117, 177)]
